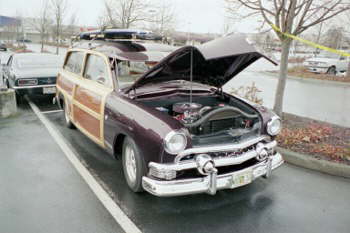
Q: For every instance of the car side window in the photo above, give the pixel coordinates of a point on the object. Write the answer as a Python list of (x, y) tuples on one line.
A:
[(96, 70), (74, 62)]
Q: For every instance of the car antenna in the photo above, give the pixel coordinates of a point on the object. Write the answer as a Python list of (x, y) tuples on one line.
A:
[(191, 75)]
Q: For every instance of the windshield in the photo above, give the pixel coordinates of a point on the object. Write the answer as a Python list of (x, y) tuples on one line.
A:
[(130, 71)]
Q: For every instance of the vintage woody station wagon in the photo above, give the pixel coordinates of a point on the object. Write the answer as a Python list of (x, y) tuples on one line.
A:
[(170, 122)]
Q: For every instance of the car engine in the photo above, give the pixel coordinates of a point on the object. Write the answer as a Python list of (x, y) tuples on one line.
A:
[(213, 120)]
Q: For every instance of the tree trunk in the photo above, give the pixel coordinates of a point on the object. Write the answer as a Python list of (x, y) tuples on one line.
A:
[(42, 42), (278, 107), (57, 39), (57, 45)]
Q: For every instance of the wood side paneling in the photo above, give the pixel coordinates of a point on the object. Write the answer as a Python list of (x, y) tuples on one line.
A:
[(88, 122), (65, 84), (88, 98)]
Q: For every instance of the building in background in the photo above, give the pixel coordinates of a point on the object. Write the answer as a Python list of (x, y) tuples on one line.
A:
[(24, 29), (10, 28)]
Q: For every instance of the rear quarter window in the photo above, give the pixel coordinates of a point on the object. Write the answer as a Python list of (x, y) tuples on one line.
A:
[(74, 62), (96, 69)]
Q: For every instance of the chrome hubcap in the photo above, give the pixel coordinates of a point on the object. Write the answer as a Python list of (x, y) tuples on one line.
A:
[(130, 163)]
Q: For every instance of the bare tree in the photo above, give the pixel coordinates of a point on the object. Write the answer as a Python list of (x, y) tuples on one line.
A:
[(228, 26), (319, 32), (102, 21), (59, 11), (334, 37), (18, 29), (71, 28), (163, 18), (42, 23), (125, 13), (293, 17)]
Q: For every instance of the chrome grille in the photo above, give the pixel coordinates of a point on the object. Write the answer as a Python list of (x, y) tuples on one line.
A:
[(222, 154)]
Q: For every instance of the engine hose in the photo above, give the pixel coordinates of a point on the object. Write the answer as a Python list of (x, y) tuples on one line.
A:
[(215, 111)]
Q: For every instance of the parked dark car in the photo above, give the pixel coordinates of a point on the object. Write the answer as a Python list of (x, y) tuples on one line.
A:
[(3, 47), (175, 129), (32, 73), (24, 40)]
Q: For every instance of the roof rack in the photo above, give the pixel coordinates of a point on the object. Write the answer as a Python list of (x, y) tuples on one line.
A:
[(112, 34)]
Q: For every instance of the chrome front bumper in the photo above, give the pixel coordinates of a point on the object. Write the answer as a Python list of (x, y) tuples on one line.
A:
[(211, 182), (202, 185)]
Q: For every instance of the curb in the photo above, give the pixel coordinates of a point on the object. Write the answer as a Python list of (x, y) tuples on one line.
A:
[(317, 81), (309, 162), (8, 104)]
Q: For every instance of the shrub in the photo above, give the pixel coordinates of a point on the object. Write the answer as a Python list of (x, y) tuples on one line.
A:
[(248, 92)]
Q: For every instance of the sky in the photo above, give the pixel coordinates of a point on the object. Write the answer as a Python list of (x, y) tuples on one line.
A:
[(192, 15)]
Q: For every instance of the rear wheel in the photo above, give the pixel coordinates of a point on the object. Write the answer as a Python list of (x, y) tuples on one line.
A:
[(133, 165), (332, 70), (67, 119)]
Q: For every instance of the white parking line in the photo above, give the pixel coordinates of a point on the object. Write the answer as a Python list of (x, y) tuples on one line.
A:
[(122, 219)]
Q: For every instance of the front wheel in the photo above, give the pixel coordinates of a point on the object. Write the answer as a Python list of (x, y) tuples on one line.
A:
[(133, 165)]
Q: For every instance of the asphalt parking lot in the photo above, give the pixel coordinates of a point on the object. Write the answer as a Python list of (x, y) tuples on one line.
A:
[(292, 200)]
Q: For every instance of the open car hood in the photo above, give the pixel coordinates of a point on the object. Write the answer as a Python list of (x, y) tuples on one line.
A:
[(214, 63)]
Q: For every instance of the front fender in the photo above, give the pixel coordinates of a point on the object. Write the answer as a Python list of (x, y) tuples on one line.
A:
[(145, 125)]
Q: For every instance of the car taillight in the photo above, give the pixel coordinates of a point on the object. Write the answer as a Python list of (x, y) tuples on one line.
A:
[(27, 82)]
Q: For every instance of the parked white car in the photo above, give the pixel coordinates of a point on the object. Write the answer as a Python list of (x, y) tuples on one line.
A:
[(327, 63), (32, 73)]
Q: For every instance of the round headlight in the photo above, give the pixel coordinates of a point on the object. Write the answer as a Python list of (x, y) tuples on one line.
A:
[(274, 126), (175, 142)]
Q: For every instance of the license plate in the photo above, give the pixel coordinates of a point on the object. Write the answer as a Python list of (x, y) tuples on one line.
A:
[(49, 90), (242, 178)]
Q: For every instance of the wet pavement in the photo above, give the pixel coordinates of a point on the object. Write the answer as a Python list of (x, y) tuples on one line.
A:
[(40, 191), (292, 200)]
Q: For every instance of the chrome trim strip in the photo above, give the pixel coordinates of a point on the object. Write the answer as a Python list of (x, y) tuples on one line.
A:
[(30, 87), (201, 185), (219, 162), (218, 148)]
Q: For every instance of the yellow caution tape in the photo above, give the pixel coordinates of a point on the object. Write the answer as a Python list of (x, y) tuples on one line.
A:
[(344, 54)]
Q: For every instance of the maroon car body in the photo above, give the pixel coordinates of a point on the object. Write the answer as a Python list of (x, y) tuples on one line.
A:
[(175, 129)]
